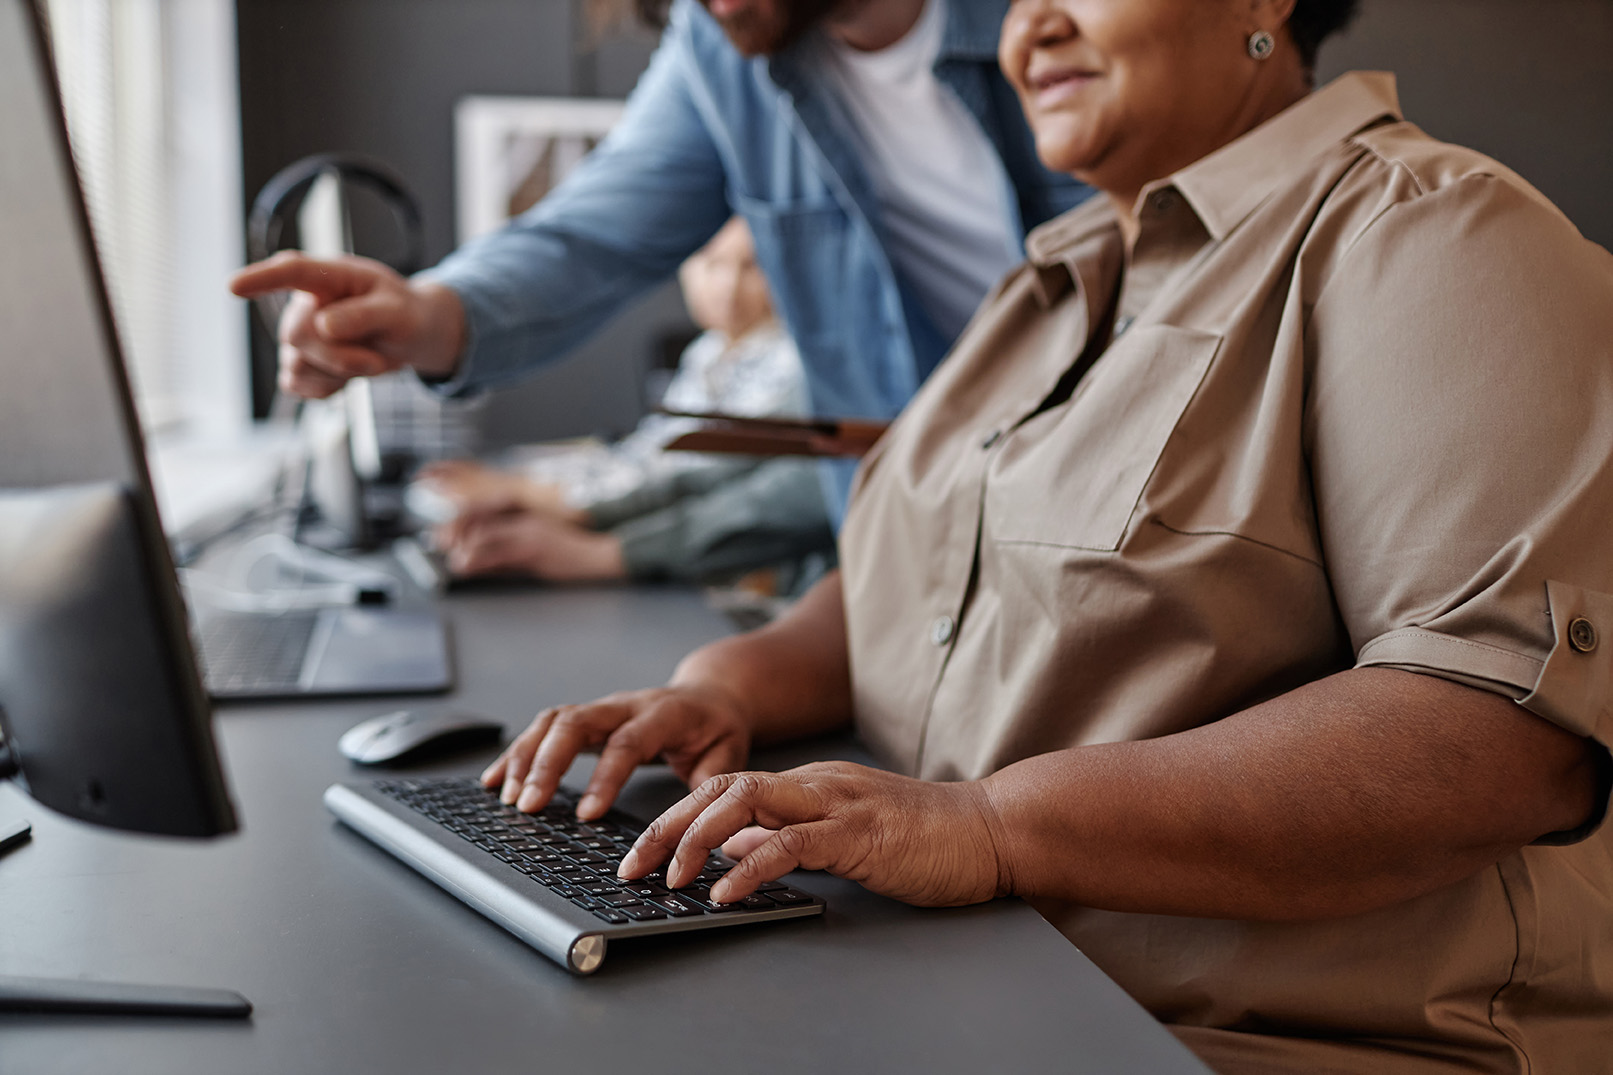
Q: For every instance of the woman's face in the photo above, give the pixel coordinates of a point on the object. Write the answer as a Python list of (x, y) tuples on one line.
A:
[(1122, 92), (723, 286)]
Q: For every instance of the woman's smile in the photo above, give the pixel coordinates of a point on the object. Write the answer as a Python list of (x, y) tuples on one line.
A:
[(1054, 85)]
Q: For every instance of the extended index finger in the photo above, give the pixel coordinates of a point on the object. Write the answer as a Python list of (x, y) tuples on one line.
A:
[(324, 278)]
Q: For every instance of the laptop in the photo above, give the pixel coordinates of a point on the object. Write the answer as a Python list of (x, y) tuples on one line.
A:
[(323, 653), (321, 626)]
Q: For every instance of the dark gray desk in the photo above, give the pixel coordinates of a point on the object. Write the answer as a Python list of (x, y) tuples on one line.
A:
[(356, 964)]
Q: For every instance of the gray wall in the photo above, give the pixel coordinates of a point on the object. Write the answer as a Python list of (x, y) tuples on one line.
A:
[(1528, 81)]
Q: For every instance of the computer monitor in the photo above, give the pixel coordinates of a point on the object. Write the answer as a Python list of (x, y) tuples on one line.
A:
[(101, 703)]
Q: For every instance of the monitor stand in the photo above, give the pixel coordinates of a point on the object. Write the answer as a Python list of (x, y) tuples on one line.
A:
[(75, 997), (70, 996)]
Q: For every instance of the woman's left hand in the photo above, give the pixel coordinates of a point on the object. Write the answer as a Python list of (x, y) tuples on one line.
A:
[(913, 840)]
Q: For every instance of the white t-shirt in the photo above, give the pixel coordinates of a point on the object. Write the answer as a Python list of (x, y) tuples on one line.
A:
[(938, 180)]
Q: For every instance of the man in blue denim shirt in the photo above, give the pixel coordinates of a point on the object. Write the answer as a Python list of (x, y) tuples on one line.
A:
[(748, 107)]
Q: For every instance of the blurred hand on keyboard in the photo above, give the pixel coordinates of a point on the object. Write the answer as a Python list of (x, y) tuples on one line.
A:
[(698, 730), (918, 841)]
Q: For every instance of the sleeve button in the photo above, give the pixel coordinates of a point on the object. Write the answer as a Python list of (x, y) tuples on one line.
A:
[(1582, 635)]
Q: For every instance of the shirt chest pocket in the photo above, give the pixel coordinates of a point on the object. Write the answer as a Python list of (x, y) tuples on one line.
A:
[(802, 248), (1072, 475)]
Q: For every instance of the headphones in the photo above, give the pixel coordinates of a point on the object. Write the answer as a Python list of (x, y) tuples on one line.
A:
[(282, 196)]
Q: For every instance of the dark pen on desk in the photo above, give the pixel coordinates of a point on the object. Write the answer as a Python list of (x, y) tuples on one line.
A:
[(14, 835)]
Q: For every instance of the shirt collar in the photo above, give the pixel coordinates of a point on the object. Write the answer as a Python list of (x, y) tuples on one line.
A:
[(1225, 187), (1059, 250)]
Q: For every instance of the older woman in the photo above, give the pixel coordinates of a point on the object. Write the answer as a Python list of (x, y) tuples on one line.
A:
[(1238, 590)]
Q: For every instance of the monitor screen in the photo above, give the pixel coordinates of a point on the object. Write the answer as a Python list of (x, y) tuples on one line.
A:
[(101, 704)]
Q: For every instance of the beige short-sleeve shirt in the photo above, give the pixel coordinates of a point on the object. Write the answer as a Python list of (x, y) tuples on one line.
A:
[(1357, 410)]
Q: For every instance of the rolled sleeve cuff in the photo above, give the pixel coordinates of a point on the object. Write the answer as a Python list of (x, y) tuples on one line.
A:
[(1575, 688), (1572, 687), (1477, 664)]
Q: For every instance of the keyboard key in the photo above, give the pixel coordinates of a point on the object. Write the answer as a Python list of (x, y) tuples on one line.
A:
[(621, 899), (600, 888), (677, 906), (644, 888), (701, 894), (642, 912), (757, 902), (788, 897), (614, 917)]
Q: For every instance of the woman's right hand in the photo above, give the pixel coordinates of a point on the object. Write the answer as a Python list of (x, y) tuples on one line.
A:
[(699, 730)]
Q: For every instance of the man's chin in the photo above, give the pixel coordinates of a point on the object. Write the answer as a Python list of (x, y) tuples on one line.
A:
[(773, 29), (751, 42), (752, 35)]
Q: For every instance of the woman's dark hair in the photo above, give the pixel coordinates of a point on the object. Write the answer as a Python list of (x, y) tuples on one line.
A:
[(1313, 21)]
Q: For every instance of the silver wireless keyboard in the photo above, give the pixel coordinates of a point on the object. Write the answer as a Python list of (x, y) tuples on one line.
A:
[(548, 878)]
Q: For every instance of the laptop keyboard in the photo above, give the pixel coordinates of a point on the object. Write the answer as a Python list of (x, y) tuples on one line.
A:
[(243, 654), (577, 859)]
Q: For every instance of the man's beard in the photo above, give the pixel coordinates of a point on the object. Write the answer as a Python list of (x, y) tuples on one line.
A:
[(773, 27)]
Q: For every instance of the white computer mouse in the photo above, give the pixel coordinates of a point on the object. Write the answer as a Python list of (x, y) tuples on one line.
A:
[(410, 733)]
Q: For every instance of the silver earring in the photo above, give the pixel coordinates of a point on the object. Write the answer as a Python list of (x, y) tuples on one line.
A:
[(1261, 45)]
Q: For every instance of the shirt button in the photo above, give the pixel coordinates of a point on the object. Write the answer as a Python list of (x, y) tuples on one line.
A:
[(991, 438), (941, 630), (1122, 325), (1582, 635), (1163, 200)]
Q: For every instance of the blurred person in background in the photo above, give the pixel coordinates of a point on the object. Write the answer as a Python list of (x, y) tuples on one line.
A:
[(631, 510)]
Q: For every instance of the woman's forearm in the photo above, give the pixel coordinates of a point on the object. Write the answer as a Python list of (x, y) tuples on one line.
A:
[(792, 677), (1351, 793)]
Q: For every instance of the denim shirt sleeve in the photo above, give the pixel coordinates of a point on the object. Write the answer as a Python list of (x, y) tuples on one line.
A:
[(646, 198)]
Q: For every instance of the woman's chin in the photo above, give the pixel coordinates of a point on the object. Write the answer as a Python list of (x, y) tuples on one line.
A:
[(1065, 149)]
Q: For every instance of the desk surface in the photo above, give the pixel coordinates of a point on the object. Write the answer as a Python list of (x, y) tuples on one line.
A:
[(356, 964)]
